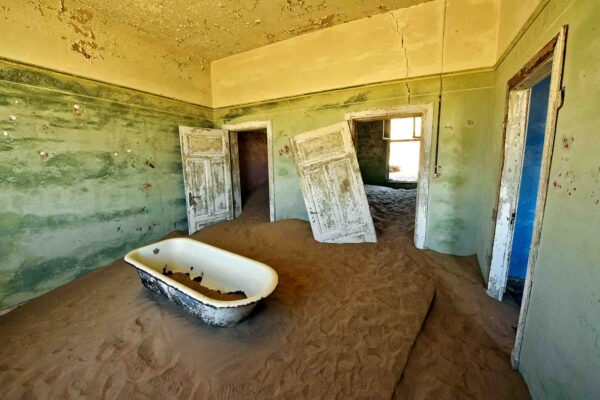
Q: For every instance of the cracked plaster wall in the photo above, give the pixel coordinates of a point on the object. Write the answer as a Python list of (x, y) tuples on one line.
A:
[(405, 43)]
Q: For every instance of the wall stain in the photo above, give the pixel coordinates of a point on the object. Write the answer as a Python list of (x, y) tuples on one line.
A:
[(285, 150), (567, 142), (357, 98), (58, 160), (12, 223)]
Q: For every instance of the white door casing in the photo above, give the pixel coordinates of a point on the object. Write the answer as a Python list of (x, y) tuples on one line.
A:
[(555, 102), (332, 186), (233, 130), (516, 128), (205, 156)]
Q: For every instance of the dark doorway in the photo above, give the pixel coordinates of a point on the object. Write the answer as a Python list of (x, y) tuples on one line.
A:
[(528, 190), (254, 172)]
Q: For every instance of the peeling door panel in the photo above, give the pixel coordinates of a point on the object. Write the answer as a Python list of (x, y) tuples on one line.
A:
[(204, 145), (323, 148), (207, 176), (322, 199), (199, 186), (509, 188), (333, 190), (218, 171), (347, 193)]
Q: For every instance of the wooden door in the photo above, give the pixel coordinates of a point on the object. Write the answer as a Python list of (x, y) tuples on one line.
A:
[(207, 176), (514, 145), (333, 190)]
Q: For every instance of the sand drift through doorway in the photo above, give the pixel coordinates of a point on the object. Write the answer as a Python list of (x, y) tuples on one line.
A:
[(425, 111)]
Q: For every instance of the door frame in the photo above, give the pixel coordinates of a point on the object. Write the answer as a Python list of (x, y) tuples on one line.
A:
[(549, 60), (425, 111), (232, 130)]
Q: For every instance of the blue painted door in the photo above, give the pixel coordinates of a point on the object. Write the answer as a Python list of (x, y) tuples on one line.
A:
[(530, 178)]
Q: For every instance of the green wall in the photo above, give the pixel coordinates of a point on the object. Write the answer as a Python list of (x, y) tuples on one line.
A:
[(79, 188), (371, 152), (560, 356), (454, 197), (89, 171)]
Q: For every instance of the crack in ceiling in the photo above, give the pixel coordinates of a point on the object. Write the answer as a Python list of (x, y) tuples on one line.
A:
[(216, 29)]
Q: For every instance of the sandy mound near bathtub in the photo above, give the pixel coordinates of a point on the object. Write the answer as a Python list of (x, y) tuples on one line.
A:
[(341, 324)]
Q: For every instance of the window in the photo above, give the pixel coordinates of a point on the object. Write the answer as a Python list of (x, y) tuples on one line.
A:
[(404, 146)]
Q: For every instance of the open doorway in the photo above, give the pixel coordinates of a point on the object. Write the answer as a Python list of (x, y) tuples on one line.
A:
[(524, 213), (252, 169), (254, 173), (388, 153), (393, 148), (533, 99)]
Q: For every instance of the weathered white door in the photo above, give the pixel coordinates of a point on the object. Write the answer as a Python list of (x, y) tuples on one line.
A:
[(207, 176), (516, 127), (332, 186)]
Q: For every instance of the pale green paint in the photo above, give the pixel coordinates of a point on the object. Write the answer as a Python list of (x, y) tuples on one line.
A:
[(454, 197), (84, 205), (560, 357)]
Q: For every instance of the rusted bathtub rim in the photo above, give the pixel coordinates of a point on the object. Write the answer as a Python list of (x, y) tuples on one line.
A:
[(205, 300)]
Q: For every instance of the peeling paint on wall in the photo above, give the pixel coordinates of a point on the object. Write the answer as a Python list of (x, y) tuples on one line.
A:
[(72, 194)]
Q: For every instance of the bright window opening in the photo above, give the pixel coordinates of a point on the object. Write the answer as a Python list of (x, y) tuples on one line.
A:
[(404, 147)]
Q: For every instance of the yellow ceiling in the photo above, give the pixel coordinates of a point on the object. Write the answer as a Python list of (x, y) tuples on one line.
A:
[(213, 29)]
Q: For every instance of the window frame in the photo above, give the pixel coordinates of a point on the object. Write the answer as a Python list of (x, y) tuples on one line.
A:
[(386, 128)]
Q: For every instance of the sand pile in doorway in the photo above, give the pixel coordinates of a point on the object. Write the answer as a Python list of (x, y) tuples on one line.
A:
[(464, 348), (393, 211), (341, 324)]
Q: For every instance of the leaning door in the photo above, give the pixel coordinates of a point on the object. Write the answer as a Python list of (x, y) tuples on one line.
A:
[(332, 186), (207, 176)]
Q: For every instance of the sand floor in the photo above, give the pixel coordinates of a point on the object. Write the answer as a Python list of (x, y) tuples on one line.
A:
[(105, 336), (341, 324), (463, 351)]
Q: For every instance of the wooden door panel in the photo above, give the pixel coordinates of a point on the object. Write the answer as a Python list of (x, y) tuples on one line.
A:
[(322, 199), (207, 176), (347, 193), (332, 186), (199, 187), (321, 148), (219, 183)]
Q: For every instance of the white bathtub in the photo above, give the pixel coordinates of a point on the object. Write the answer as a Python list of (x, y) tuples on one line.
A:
[(220, 270)]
